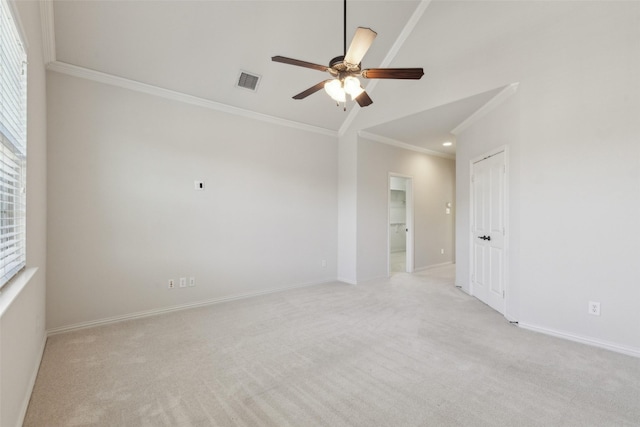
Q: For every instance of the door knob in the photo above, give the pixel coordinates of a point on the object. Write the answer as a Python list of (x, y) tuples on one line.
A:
[(484, 237)]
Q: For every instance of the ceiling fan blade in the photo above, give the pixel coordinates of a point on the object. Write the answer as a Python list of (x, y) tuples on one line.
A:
[(363, 99), (311, 90), (299, 63), (360, 44), (393, 73)]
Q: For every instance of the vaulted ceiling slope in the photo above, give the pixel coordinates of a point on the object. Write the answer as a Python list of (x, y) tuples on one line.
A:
[(195, 51), (426, 131), (199, 48)]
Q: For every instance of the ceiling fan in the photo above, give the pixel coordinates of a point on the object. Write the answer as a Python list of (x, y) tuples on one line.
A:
[(346, 69)]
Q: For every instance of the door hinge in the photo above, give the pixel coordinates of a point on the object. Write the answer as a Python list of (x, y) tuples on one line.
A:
[(503, 293)]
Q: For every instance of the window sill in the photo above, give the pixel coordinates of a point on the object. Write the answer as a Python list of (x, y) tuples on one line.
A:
[(12, 290)]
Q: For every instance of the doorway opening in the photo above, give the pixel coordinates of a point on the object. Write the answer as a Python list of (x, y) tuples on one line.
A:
[(400, 224)]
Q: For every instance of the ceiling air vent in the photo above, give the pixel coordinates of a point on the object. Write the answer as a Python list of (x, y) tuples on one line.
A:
[(248, 81)]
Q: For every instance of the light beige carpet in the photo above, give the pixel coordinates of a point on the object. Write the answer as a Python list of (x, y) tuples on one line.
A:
[(409, 351)]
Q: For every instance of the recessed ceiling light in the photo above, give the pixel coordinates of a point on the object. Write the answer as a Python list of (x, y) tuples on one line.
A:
[(447, 144)]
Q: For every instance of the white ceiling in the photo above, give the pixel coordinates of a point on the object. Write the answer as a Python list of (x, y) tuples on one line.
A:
[(198, 48), (429, 129)]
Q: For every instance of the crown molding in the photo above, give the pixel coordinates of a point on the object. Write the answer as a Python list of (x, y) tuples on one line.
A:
[(48, 33), (109, 79), (490, 105), (400, 144), (397, 45)]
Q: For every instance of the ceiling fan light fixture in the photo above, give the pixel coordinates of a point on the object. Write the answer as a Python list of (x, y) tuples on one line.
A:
[(335, 90), (345, 68), (352, 87)]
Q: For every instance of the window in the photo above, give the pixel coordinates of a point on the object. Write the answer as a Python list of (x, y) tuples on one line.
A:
[(13, 146)]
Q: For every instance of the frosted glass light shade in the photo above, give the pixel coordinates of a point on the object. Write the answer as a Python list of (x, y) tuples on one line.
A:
[(352, 87), (335, 90)]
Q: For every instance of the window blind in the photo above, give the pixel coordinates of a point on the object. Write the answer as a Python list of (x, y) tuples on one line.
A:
[(13, 146)]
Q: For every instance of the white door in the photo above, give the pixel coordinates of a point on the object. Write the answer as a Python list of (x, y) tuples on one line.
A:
[(488, 231)]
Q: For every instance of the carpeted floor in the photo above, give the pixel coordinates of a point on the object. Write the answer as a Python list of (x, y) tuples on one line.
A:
[(409, 351)]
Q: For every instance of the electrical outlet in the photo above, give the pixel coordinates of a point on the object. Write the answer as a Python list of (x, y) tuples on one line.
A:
[(323, 263), (171, 284), (192, 281), (594, 308), (441, 251), (183, 282)]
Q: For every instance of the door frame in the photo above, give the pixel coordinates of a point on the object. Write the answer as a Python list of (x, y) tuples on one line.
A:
[(409, 262), (505, 269)]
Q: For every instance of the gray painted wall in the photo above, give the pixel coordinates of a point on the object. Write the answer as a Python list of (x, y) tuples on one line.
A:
[(574, 159), (433, 186), (124, 216), (572, 129)]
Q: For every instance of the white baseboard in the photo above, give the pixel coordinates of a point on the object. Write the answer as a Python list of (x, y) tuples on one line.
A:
[(155, 312), (629, 351), (32, 382)]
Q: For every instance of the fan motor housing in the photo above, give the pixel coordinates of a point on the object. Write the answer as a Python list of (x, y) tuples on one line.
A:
[(337, 63), (338, 68)]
